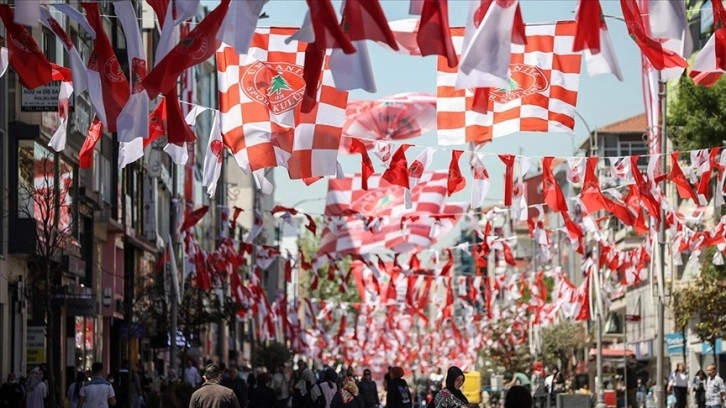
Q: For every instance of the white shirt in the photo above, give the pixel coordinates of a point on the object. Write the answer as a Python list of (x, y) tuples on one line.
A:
[(96, 393), (678, 379), (714, 388)]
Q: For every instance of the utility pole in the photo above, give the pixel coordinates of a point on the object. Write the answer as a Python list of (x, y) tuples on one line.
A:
[(600, 392), (660, 310), (173, 329)]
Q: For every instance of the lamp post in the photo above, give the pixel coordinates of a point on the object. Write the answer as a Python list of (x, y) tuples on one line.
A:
[(600, 401)]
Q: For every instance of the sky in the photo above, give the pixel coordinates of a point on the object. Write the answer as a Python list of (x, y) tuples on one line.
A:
[(601, 100)]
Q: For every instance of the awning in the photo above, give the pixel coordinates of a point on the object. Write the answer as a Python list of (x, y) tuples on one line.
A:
[(613, 353)]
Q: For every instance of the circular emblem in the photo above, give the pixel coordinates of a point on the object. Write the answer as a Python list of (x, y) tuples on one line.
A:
[(278, 85), (217, 149), (112, 70), (384, 152), (480, 173), (525, 80), (378, 201), (25, 42), (194, 46), (416, 169)]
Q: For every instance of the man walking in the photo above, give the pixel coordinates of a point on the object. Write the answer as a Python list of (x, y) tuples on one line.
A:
[(715, 389), (97, 393), (211, 394), (281, 386)]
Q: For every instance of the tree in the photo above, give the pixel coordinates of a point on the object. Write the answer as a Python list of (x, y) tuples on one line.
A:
[(561, 341), (507, 352), (44, 195), (271, 356), (697, 115)]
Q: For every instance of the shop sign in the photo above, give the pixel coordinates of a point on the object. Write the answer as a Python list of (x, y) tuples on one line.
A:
[(675, 343), (42, 99), (707, 349), (35, 345)]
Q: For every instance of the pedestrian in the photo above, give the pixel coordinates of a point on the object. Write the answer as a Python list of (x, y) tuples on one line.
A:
[(191, 374), (212, 394), (11, 393), (398, 394), (37, 390), (386, 379), (368, 390), (699, 388), (350, 372), (97, 393), (297, 375), (262, 396), (715, 389), (74, 391), (281, 386), (301, 396), (324, 392), (347, 395), (678, 385), (451, 396), (237, 385), (641, 393)]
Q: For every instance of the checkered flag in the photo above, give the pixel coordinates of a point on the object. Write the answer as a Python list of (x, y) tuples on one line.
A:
[(259, 97), (541, 95)]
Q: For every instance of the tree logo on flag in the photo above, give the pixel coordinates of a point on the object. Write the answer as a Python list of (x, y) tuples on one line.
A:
[(25, 42), (217, 148), (138, 72), (64, 37), (194, 45), (112, 70), (525, 80), (278, 85), (379, 201)]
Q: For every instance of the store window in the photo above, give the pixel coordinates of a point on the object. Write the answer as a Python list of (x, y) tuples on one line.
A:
[(35, 177), (85, 350)]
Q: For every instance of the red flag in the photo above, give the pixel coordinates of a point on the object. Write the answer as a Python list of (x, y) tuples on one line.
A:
[(433, 36), (288, 271), (160, 7), (157, 123), (508, 257), (397, 172), (356, 146), (114, 84), (552, 193), (685, 191), (592, 197), (203, 281), (449, 263), (480, 103), (365, 20), (193, 217), (456, 180), (178, 131), (508, 160), (24, 55), (649, 201), (85, 156), (587, 34), (651, 48), (196, 47)]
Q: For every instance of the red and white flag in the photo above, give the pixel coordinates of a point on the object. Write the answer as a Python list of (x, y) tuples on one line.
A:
[(85, 156), (239, 25), (712, 58), (27, 12), (541, 95), (107, 84), (214, 157), (480, 182), (3, 60), (24, 54), (605, 61), (58, 141), (78, 68), (133, 120), (385, 201), (261, 117)]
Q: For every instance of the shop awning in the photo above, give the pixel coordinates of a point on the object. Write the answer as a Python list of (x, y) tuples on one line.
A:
[(613, 353)]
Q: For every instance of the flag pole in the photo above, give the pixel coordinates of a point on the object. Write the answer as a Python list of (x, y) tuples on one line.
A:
[(660, 312)]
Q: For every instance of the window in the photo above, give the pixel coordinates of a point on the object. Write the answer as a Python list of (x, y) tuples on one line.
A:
[(26, 178)]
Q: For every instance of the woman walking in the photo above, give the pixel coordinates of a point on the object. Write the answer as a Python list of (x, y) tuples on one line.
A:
[(451, 396)]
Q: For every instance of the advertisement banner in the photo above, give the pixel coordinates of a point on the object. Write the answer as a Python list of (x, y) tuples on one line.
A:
[(674, 344)]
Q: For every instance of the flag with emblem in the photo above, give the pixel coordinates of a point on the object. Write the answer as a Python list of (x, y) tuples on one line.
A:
[(259, 97), (541, 94), (400, 229)]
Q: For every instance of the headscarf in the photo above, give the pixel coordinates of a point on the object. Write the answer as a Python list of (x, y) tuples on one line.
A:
[(518, 396), (349, 390), (306, 379), (34, 378), (329, 376), (451, 375)]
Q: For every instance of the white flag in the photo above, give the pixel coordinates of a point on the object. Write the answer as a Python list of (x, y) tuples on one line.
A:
[(415, 170), (27, 12), (480, 182), (3, 61), (78, 68), (214, 157), (353, 71), (58, 141), (604, 62), (487, 49), (239, 25)]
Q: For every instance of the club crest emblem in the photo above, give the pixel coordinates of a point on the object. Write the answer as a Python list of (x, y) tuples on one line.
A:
[(525, 80), (278, 85)]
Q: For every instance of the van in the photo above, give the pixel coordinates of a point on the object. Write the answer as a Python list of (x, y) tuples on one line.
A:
[(472, 387)]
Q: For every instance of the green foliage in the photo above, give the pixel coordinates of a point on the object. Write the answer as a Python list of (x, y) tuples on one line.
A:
[(697, 115), (504, 353), (702, 303), (327, 289), (709, 268), (271, 356), (561, 341)]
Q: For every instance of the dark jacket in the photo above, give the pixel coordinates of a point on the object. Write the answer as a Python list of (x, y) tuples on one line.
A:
[(11, 395), (303, 401), (239, 387), (262, 397), (337, 402), (398, 394), (213, 395), (368, 392)]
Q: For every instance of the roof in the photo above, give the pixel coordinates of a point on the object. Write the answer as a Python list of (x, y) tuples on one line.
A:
[(634, 124)]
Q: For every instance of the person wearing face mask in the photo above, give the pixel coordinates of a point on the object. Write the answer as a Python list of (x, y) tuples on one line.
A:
[(451, 396)]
